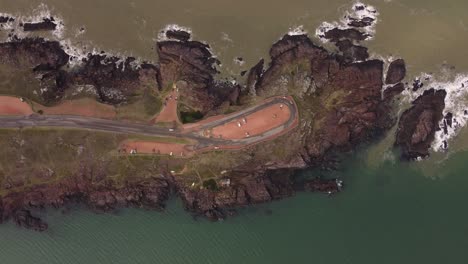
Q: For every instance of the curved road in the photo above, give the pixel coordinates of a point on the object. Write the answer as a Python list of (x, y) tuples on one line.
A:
[(104, 125)]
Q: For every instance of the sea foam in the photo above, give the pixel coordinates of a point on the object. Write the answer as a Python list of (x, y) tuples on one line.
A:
[(456, 103), (358, 11)]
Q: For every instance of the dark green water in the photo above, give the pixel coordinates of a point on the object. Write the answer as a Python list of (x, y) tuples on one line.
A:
[(390, 213)]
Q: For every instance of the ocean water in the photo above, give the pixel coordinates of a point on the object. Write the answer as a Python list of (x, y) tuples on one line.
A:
[(390, 212)]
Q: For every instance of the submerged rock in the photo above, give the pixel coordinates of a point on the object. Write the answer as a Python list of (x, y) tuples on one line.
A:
[(417, 126)]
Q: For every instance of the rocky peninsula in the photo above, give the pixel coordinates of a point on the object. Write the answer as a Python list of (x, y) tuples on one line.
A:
[(340, 96)]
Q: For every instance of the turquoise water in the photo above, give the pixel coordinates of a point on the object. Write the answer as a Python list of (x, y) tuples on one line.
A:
[(390, 213)]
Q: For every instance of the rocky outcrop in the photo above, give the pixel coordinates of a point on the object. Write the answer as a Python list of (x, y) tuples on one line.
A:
[(45, 25), (290, 51), (417, 125), (178, 35), (192, 66), (396, 72), (352, 52), (6, 19), (360, 23), (393, 91), (34, 53), (150, 193), (337, 34), (114, 79), (254, 75)]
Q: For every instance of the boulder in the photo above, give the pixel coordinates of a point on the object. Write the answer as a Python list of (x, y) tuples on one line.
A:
[(396, 72), (418, 124)]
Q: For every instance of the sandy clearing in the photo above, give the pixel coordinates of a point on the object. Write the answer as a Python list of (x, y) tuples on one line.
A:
[(253, 124), (80, 107), (168, 113), (14, 106), (154, 147)]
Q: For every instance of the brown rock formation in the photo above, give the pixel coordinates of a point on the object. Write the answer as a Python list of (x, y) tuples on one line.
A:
[(46, 24), (396, 72), (418, 124)]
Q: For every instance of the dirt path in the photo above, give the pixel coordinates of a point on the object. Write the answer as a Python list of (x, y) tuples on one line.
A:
[(254, 124), (80, 107), (14, 106), (154, 147), (168, 113)]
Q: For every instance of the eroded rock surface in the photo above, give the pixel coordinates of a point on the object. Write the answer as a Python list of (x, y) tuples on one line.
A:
[(337, 34), (418, 124), (150, 193), (396, 72), (46, 24)]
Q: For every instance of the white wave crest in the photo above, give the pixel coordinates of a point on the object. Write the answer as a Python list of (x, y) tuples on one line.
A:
[(172, 27), (358, 11)]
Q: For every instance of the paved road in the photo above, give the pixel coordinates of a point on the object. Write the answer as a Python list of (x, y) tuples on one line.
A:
[(97, 124)]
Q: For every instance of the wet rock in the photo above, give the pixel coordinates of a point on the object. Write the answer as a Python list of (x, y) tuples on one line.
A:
[(23, 218), (393, 91), (254, 75), (115, 79), (352, 52), (396, 72), (6, 19), (359, 23), (328, 186), (417, 126), (417, 84), (34, 53), (45, 25), (149, 193), (178, 35), (249, 189), (337, 34)]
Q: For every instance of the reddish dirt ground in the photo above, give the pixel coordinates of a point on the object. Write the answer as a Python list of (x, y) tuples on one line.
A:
[(14, 106), (168, 113), (80, 107), (153, 147), (253, 124)]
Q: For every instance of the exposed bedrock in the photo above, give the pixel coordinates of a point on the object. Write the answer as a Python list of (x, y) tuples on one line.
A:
[(360, 23), (393, 91), (33, 53), (192, 65), (337, 34), (178, 35), (114, 79), (149, 193), (6, 19), (417, 125), (396, 72), (341, 101), (44, 25), (249, 188), (352, 52)]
